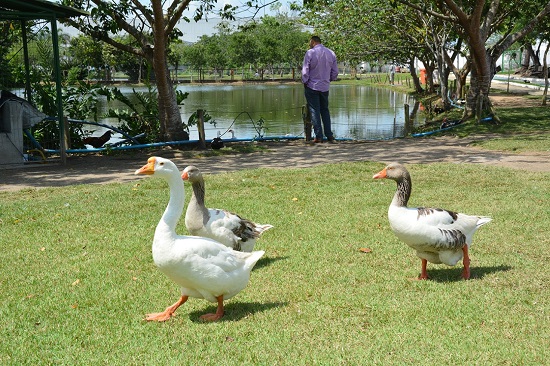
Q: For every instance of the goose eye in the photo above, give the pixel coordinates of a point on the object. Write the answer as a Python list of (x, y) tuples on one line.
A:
[(161, 164)]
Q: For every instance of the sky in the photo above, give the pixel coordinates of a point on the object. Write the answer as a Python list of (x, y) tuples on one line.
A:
[(194, 30)]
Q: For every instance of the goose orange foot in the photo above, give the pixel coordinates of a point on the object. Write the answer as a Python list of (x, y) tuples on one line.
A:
[(215, 316), (466, 262), (423, 271), (167, 313)]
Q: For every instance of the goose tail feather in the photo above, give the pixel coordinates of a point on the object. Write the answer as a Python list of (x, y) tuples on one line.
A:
[(483, 220)]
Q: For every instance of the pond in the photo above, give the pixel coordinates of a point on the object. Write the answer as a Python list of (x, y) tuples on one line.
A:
[(273, 110)]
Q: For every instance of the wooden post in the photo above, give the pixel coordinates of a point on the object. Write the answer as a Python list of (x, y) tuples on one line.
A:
[(200, 127), (306, 116), (407, 119), (67, 135), (63, 141)]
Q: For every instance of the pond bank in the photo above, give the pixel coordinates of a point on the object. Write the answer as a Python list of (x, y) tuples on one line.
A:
[(100, 169)]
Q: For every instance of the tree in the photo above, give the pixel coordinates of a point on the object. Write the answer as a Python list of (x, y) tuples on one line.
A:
[(84, 53), (215, 53), (392, 34), (153, 28), (476, 21), (282, 41), (135, 67), (9, 33), (243, 48), (194, 55), (271, 42)]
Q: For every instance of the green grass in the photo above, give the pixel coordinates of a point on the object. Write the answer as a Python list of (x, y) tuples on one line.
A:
[(521, 130), (518, 144), (78, 277), (515, 121)]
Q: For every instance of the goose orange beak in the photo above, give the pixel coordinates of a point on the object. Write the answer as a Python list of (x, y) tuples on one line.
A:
[(148, 168), (381, 174), (185, 176)]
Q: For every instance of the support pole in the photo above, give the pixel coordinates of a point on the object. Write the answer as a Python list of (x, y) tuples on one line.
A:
[(28, 91), (59, 99), (200, 126)]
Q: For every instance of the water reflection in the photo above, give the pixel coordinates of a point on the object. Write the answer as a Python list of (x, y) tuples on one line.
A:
[(358, 112)]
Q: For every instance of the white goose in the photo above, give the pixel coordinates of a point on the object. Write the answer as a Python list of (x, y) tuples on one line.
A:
[(203, 268), (221, 225), (437, 235)]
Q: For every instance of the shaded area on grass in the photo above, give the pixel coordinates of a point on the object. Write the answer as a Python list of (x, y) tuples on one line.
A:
[(453, 274)]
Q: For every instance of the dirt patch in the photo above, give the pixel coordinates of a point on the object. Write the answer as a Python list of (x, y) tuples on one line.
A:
[(516, 96), (514, 101), (98, 169)]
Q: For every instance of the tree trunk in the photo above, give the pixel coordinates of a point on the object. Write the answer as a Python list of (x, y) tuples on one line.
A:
[(529, 58), (545, 73), (478, 103), (171, 126), (525, 60), (461, 85), (430, 67), (461, 77), (444, 71), (416, 81), (444, 88)]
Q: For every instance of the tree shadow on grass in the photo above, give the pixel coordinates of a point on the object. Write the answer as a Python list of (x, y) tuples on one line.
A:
[(455, 274), (237, 310)]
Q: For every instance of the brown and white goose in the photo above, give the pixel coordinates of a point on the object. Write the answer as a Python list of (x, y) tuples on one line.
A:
[(221, 225), (437, 235)]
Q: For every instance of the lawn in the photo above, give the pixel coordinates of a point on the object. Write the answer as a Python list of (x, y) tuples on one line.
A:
[(78, 277)]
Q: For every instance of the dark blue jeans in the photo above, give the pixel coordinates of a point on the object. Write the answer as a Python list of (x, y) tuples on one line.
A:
[(317, 103)]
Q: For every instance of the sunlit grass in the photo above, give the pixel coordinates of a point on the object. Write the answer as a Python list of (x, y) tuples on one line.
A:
[(78, 277), (518, 143)]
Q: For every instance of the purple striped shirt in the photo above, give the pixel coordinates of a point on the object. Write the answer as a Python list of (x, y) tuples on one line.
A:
[(319, 68)]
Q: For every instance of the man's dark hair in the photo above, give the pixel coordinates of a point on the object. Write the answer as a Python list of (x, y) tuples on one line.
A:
[(316, 39)]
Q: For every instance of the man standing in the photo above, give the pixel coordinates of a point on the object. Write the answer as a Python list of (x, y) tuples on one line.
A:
[(318, 70)]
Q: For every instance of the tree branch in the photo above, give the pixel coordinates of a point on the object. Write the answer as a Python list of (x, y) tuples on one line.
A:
[(174, 14), (105, 38), (427, 11), (514, 37), (144, 11), (489, 19), (123, 24)]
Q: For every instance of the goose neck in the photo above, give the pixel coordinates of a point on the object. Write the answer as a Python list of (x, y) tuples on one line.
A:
[(173, 211), (198, 192), (403, 192)]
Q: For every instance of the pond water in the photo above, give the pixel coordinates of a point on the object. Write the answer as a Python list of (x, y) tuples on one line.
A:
[(357, 112)]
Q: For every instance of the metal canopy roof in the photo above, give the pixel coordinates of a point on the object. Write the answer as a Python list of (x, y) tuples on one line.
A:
[(36, 9)]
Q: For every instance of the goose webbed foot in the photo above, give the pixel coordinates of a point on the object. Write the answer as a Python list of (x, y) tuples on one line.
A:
[(167, 313), (215, 316)]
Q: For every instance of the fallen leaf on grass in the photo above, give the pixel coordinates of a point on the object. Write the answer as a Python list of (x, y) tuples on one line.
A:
[(365, 250)]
